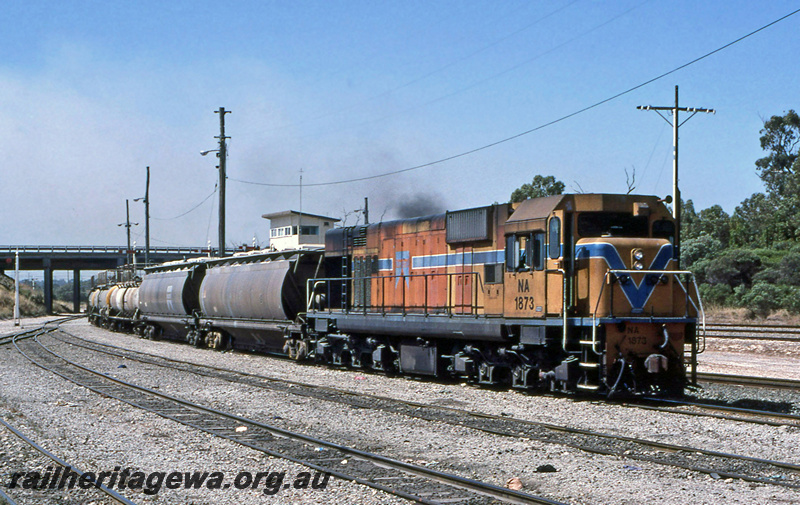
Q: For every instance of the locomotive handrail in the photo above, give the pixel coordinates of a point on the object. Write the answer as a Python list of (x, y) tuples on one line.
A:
[(700, 310), (449, 307), (564, 332), (311, 289)]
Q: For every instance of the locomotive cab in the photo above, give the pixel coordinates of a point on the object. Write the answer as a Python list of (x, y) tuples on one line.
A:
[(603, 264)]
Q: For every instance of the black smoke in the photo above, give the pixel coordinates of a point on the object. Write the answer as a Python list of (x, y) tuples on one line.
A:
[(421, 204)]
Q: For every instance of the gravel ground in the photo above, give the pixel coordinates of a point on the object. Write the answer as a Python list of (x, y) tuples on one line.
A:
[(100, 434)]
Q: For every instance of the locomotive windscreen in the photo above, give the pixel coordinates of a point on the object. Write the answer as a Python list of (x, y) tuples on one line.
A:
[(616, 224)]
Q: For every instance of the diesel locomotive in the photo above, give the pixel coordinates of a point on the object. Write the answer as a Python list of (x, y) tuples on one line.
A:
[(569, 293)]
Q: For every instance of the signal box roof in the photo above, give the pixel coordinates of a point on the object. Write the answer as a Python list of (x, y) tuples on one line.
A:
[(296, 213)]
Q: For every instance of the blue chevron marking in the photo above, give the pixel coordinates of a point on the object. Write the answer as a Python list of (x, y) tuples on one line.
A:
[(637, 295)]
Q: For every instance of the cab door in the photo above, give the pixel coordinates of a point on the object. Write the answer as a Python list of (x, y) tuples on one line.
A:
[(462, 283), (524, 275)]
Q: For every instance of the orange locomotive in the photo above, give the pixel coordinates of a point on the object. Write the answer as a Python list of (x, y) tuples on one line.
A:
[(567, 292)]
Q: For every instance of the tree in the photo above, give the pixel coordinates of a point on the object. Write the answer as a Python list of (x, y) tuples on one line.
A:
[(696, 249), (539, 187), (689, 221), (779, 169), (753, 222), (778, 210), (734, 267), (715, 222)]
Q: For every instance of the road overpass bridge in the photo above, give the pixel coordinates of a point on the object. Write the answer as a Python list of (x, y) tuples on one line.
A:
[(77, 258)]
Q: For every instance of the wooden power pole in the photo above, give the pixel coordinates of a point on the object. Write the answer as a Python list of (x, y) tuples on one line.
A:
[(676, 194), (222, 176)]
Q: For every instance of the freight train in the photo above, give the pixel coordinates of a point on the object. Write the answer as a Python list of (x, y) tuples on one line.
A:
[(563, 293)]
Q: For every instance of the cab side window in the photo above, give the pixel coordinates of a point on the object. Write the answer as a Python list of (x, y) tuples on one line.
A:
[(538, 252), (512, 253), (519, 251), (525, 252), (554, 239)]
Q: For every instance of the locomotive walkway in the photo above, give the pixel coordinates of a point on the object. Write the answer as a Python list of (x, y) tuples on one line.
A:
[(49, 258)]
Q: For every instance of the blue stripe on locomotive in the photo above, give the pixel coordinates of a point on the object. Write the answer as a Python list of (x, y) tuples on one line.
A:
[(637, 295)]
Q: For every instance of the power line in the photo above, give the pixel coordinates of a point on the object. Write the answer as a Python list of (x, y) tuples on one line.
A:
[(190, 210), (482, 81), (436, 71), (532, 130)]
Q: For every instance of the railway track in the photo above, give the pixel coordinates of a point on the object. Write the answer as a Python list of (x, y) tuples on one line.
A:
[(739, 414), (8, 338), (709, 462), (106, 492), (747, 380), (420, 484), (784, 333), (5, 499), (728, 413)]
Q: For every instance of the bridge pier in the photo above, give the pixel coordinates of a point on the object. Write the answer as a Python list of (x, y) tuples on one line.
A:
[(76, 291), (48, 286)]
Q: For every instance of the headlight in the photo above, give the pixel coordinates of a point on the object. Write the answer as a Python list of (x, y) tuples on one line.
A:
[(638, 265), (638, 255)]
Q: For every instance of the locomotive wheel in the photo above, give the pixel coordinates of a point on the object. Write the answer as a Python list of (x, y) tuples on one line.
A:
[(290, 349), (302, 350), (216, 340)]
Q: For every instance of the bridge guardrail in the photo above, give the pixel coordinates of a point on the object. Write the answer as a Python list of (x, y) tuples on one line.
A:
[(5, 249)]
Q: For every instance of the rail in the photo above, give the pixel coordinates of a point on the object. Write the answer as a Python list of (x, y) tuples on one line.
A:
[(465, 293), (774, 332), (698, 307), (750, 380)]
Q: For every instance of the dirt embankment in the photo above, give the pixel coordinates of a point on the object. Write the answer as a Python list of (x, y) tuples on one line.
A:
[(31, 303)]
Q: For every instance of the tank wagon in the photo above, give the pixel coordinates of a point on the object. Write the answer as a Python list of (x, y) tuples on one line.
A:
[(568, 292), (247, 301), (114, 302)]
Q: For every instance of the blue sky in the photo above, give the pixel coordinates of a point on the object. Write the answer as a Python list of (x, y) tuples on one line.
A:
[(93, 92)]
